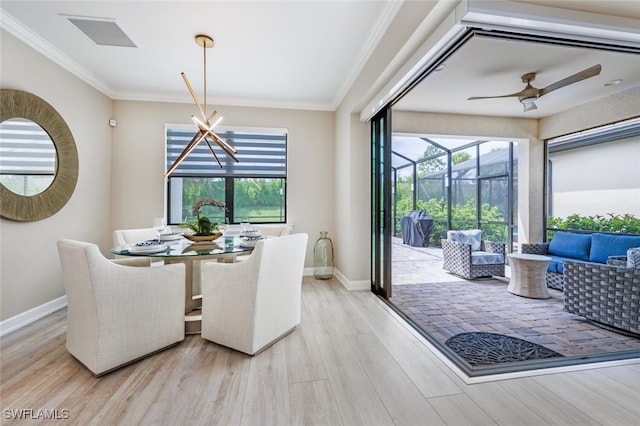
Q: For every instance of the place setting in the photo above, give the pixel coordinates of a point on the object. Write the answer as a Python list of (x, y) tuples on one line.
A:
[(249, 236), (147, 247)]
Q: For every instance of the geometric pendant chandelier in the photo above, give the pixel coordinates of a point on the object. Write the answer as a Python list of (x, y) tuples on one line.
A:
[(203, 125)]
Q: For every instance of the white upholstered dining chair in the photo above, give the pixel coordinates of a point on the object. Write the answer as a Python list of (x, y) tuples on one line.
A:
[(131, 236), (119, 310), (249, 305), (273, 230)]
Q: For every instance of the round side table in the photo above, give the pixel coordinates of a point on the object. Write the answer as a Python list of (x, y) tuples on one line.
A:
[(528, 275)]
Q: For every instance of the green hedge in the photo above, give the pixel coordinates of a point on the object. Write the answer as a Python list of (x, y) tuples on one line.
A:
[(623, 224), (437, 209)]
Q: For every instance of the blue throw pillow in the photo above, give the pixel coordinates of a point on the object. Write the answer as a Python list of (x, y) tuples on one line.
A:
[(567, 244), (605, 245)]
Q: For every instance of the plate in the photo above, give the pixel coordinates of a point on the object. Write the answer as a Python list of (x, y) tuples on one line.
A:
[(251, 234), (249, 243), (147, 248), (170, 237)]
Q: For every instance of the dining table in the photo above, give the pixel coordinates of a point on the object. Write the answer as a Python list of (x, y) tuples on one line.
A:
[(179, 249)]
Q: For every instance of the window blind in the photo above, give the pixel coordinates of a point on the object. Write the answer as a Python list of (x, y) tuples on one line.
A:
[(26, 149), (261, 154)]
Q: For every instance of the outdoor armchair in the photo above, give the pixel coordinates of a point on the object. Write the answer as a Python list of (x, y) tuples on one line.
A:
[(467, 255)]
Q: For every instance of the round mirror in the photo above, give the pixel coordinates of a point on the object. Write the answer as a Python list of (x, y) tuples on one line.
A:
[(39, 166), (28, 160)]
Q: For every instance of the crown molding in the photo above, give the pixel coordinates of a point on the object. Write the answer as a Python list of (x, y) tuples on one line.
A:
[(31, 39), (222, 101), (378, 30)]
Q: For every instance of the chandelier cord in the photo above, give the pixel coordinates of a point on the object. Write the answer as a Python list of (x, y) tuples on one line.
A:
[(204, 49)]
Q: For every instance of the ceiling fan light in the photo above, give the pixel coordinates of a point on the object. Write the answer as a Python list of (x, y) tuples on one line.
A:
[(528, 102), (529, 105)]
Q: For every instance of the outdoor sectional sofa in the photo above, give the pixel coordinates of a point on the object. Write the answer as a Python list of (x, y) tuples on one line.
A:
[(594, 248), (598, 281)]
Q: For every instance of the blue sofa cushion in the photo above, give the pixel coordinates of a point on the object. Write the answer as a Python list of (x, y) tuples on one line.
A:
[(556, 264), (567, 244), (605, 245)]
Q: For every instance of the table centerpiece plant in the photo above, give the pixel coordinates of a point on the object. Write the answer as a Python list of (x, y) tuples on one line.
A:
[(203, 229)]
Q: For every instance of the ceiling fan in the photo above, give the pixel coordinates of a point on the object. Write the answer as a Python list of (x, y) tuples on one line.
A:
[(529, 94)]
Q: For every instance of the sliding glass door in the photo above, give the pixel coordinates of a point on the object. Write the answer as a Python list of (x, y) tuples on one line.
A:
[(381, 194)]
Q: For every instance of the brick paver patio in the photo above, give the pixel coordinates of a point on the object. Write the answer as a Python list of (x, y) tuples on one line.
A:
[(443, 305)]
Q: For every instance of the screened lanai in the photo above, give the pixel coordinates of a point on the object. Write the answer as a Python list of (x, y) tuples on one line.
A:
[(464, 184), (460, 183)]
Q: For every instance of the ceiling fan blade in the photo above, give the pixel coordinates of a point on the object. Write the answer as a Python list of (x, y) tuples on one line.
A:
[(584, 74), (520, 93)]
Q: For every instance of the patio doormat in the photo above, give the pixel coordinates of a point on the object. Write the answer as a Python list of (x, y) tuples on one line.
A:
[(480, 348)]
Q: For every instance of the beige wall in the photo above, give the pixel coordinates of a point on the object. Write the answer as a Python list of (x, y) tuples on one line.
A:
[(617, 107), (585, 184), (29, 267), (138, 183), (120, 183), (353, 141)]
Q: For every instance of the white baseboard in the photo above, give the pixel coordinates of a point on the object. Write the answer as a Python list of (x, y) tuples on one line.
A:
[(352, 285), (32, 315), (349, 285)]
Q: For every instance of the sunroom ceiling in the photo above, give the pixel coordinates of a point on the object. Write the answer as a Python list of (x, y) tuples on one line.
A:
[(411, 147), (486, 66)]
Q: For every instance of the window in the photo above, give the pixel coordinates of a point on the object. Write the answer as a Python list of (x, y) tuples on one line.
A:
[(254, 188)]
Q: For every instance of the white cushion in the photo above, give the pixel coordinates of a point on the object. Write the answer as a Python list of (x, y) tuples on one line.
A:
[(633, 258), (473, 237), (485, 258)]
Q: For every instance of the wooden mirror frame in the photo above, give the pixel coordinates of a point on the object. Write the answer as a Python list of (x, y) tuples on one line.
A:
[(19, 104)]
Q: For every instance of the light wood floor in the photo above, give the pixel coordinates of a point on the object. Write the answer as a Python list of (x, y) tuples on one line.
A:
[(350, 362)]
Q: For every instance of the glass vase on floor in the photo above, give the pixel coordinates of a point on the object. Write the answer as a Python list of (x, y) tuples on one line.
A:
[(323, 257)]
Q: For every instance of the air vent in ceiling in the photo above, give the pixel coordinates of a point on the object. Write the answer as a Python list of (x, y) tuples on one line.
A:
[(103, 31)]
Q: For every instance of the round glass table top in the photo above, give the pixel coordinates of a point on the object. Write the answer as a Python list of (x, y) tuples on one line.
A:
[(182, 247)]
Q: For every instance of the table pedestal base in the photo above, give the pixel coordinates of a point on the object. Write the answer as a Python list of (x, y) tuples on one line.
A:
[(193, 322)]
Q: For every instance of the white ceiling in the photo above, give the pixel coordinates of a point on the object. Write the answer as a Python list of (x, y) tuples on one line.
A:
[(301, 54), (294, 54), (486, 66)]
